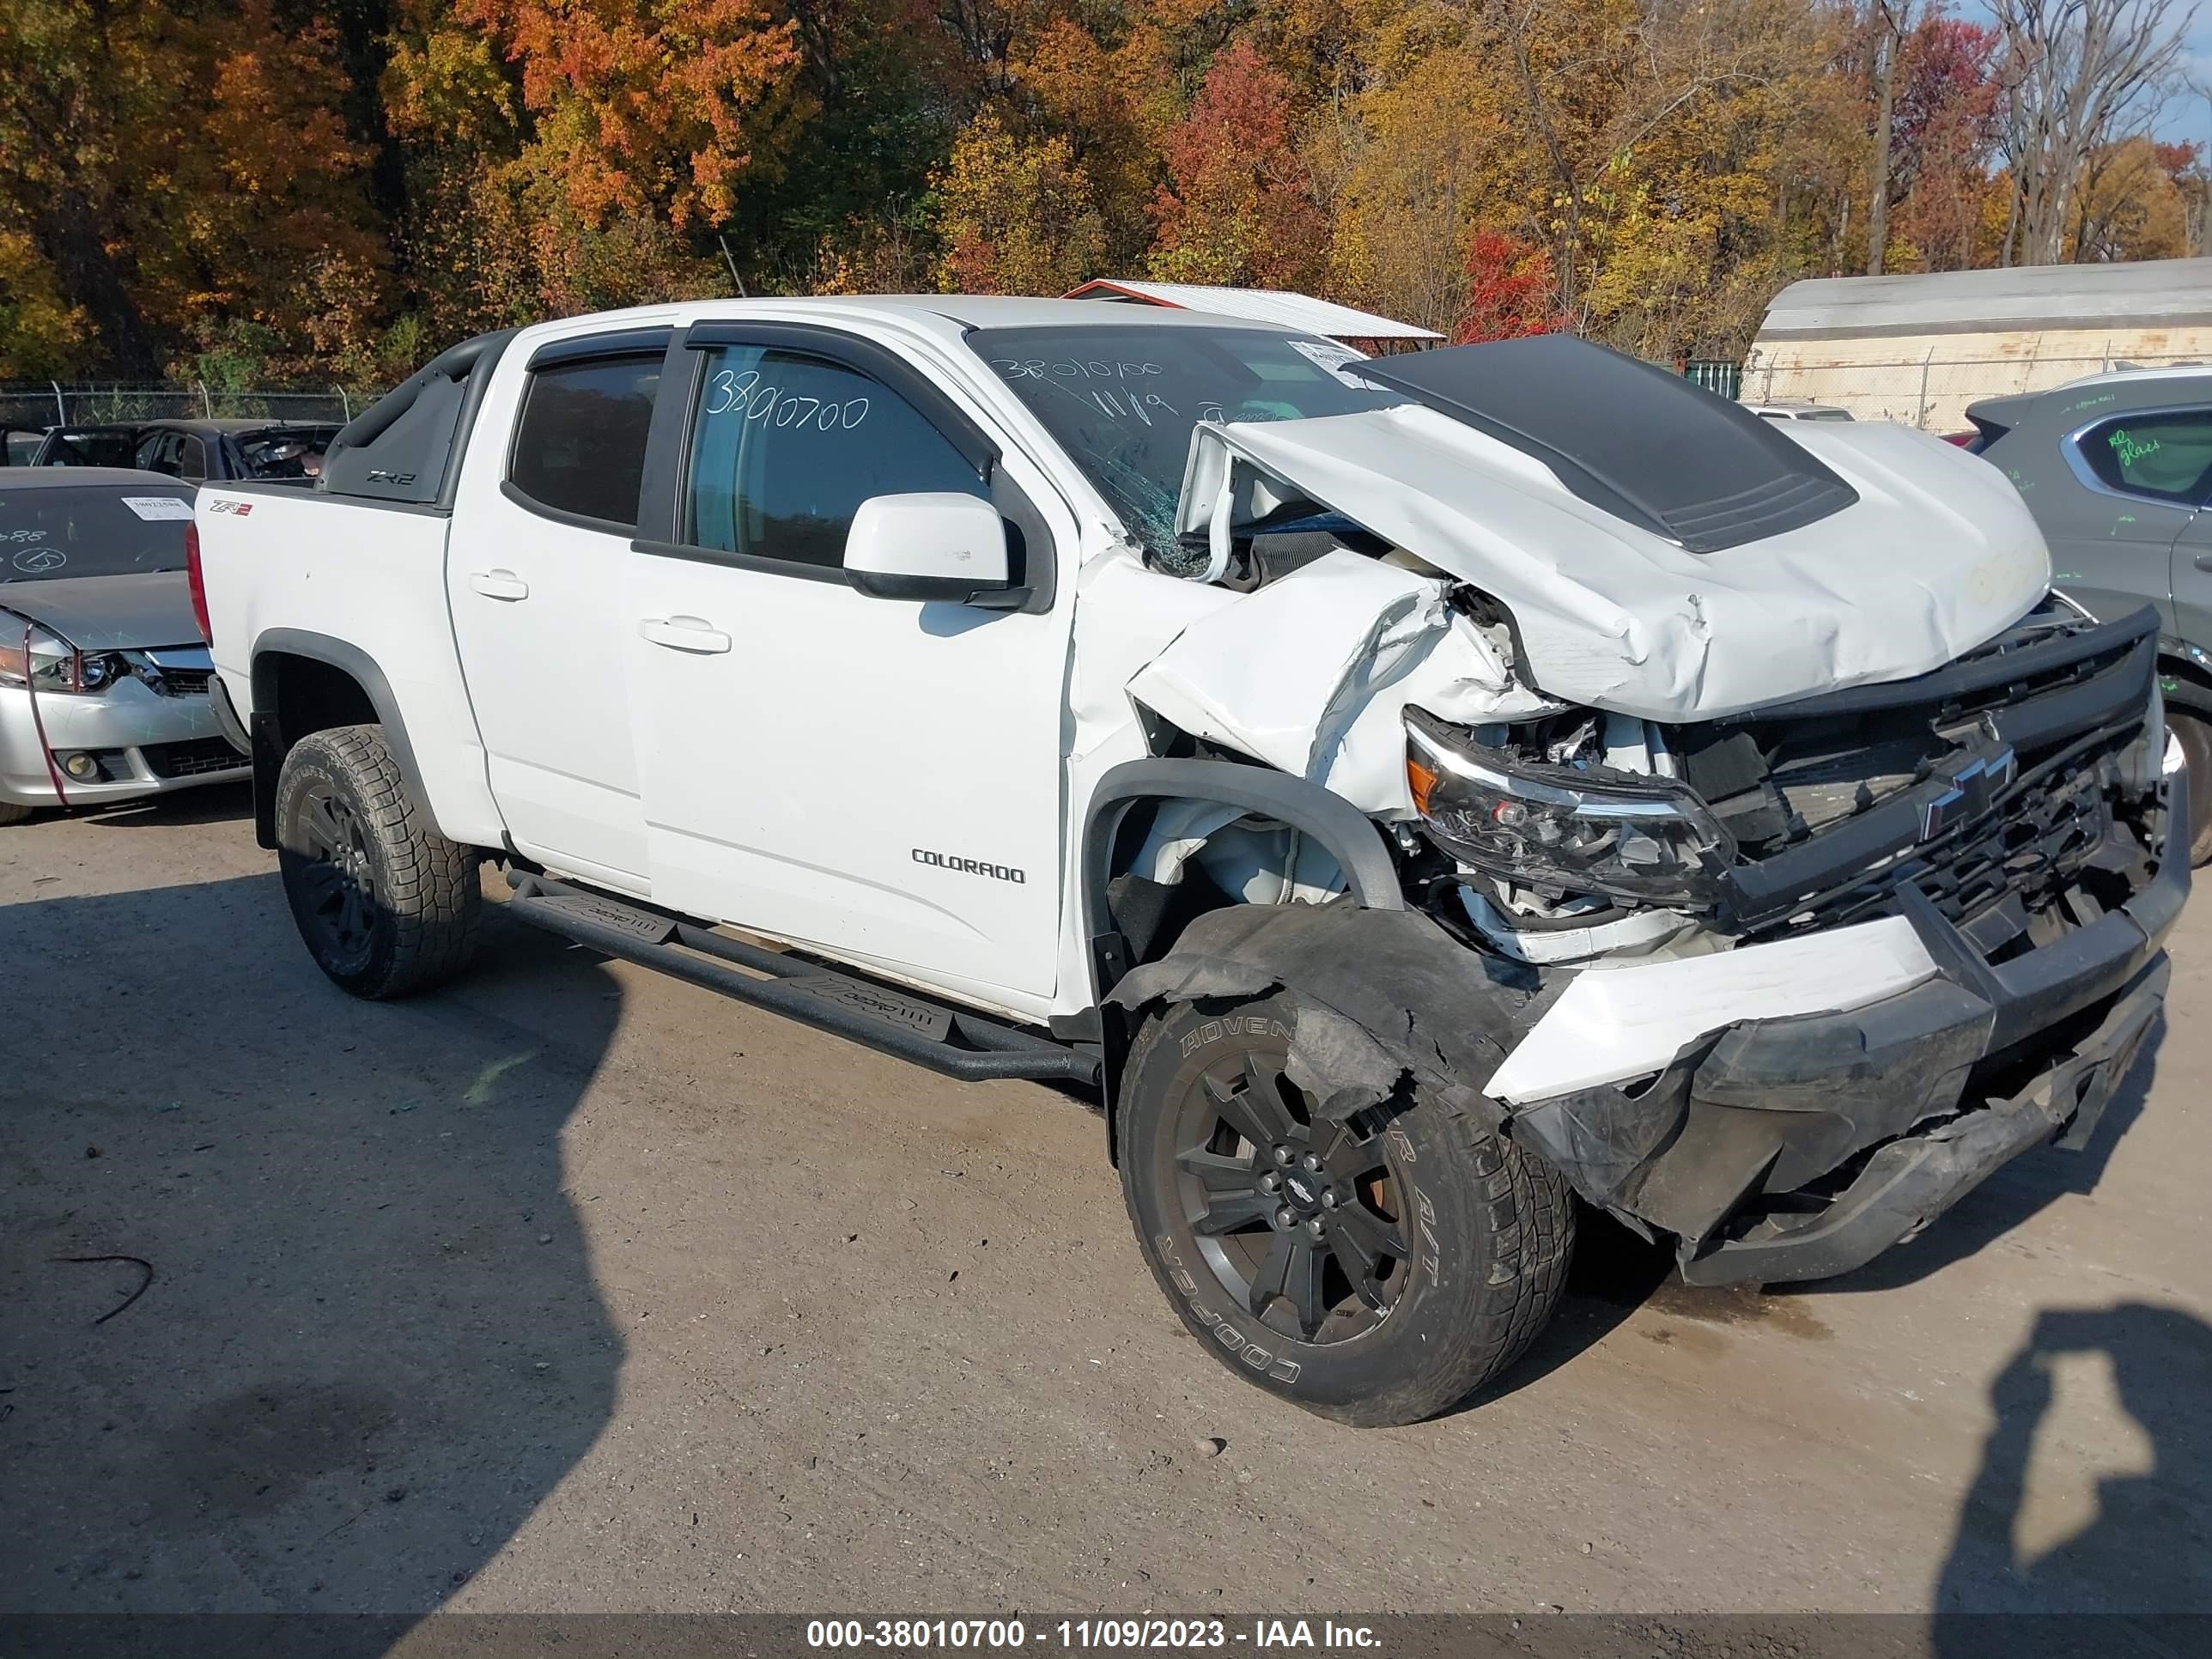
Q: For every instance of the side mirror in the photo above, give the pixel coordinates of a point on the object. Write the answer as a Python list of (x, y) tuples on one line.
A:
[(936, 545)]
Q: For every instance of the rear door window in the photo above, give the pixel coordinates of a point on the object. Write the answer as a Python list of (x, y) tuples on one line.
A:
[(2162, 457), (580, 444)]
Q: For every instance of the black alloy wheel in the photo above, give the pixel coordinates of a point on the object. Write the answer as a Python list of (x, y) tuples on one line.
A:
[(1297, 1217), (1375, 1270), (336, 873)]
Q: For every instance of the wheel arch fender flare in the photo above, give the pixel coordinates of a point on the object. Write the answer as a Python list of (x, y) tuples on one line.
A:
[(271, 739), (1377, 996), (1350, 836)]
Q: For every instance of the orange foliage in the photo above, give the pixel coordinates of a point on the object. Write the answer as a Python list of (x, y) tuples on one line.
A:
[(1238, 210), (1510, 290), (642, 105)]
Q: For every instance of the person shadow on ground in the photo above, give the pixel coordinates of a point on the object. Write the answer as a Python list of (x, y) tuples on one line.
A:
[(299, 1316), (2145, 1553)]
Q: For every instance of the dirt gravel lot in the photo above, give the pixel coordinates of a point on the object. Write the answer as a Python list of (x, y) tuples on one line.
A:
[(572, 1288)]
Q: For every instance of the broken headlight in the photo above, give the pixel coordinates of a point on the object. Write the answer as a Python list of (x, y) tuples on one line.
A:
[(1560, 829)]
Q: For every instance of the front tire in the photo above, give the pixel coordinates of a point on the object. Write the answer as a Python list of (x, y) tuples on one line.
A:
[(13, 811), (385, 904), (1376, 1272)]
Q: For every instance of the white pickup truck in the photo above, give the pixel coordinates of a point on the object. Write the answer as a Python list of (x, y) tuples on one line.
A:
[(1419, 793)]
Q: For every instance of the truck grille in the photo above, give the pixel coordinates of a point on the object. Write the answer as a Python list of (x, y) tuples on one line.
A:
[(1989, 786), (191, 758), (2039, 834)]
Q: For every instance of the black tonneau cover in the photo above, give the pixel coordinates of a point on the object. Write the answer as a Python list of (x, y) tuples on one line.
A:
[(1639, 443)]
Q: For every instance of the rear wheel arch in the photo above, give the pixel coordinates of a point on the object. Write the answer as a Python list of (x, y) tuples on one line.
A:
[(305, 683)]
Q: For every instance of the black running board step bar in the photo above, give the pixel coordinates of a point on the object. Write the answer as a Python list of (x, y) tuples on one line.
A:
[(952, 1041)]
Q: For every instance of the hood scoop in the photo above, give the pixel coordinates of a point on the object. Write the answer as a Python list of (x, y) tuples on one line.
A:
[(1649, 447)]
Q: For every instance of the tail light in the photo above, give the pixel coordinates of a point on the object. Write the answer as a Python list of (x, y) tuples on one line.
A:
[(1962, 438), (197, 582)]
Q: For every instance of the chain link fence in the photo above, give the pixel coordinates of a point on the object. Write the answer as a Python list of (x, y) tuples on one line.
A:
[(1930, 392), (51, 403)]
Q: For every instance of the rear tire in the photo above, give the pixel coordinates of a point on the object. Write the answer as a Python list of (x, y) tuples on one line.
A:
[(1266, 1256), (2195, 732), (386, 904)]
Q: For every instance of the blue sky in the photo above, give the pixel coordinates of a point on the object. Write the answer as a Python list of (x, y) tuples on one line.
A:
[(2188, 117)]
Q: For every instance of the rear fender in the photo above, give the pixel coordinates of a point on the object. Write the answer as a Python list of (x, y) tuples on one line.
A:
[(288, 705)]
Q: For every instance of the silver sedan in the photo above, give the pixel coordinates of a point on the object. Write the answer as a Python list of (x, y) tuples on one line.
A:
[(104, 675)]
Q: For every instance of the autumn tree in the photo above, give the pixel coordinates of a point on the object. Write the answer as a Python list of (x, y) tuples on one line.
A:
[(180, 177), (1236, 209), (244, 189), (1945, 139), (39, 329), (1419, 162), (1018, 216), (2133, 203), (1888, 30), (1509, 290), (76, 80)]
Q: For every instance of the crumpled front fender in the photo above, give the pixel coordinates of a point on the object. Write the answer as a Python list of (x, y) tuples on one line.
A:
[(1378, 996)]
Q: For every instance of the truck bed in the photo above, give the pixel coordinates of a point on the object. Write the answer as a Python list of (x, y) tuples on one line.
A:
[(368, 578)]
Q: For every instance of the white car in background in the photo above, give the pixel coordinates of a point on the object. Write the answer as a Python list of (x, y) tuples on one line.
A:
[(103, 671), (1791, 409)]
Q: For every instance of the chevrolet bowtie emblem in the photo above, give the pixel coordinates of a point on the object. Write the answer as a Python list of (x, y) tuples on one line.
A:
[(1973, 787)]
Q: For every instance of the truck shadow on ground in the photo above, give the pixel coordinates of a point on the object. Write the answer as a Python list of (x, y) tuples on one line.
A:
[(2039, 1533), (299, 1315)]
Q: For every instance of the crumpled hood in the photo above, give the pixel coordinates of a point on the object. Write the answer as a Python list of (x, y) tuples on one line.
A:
[(1937, 555), (109, 613)]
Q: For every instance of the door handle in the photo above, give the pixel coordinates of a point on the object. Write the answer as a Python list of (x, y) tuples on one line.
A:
[(690, 634), (499, 584)]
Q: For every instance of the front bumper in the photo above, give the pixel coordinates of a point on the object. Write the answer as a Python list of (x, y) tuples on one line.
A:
[(145, 744), (1803, 1146)]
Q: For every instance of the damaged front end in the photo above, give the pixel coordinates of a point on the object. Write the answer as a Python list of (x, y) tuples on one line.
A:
[(1789, 998), (1940, 915), (1775, 898)]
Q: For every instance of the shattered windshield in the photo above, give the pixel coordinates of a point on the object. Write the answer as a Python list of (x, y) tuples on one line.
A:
[(49, 534), (1121, 398)]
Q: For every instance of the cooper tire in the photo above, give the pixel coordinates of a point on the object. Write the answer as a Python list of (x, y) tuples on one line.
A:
[(386, 904), (1486, 1228)]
